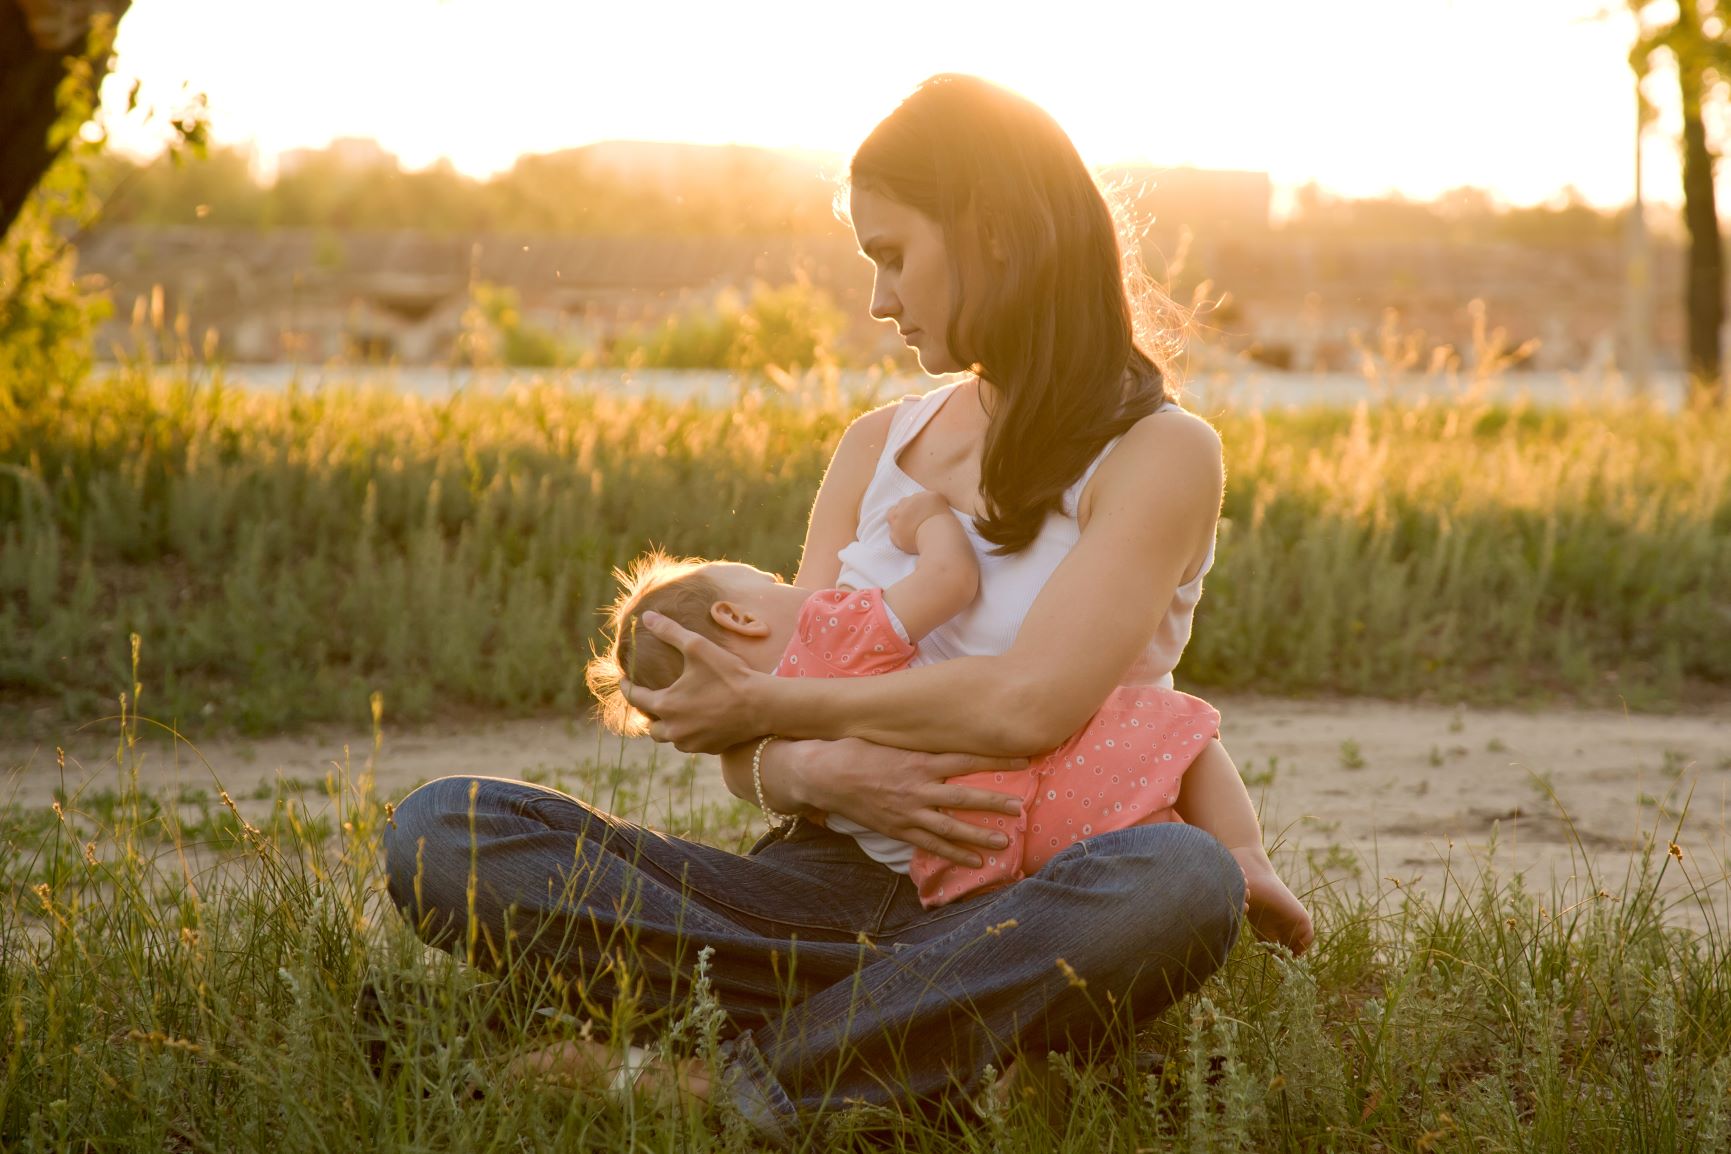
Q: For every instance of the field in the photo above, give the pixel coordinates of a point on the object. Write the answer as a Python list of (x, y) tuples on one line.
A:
[(285, 556), (189, 967), (195, 953)]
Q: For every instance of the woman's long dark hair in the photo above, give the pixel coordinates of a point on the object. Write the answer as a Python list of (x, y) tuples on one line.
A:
[(1052, 325)]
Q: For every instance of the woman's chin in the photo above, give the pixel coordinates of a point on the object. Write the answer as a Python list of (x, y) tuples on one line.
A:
[(933, 365)]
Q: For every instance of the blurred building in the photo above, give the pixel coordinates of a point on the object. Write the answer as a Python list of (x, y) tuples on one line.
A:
[(1290, 294), (308, 295), (346, 153)]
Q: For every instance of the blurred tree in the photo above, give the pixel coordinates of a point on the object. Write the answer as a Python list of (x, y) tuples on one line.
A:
[(1460, 215), (42, 42), (794, 326), (516, 340), (1699, 42), (217, 189), (689, 190), (789, 327)]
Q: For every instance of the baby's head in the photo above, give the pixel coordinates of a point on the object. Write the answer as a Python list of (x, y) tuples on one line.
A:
[(751, 613)]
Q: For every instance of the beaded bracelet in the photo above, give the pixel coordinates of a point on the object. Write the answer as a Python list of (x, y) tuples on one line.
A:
[(776, 820)]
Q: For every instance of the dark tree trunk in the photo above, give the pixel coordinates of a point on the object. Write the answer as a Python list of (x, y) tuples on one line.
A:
[(1706, 285), (34, 47)]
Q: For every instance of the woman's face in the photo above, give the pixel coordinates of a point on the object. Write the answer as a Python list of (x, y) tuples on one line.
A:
[(912, 284)]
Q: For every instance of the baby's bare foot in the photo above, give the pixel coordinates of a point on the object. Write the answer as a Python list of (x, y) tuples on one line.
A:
[(1273, 910)]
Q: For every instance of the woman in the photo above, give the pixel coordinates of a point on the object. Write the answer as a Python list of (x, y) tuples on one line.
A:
[(1094, 501)]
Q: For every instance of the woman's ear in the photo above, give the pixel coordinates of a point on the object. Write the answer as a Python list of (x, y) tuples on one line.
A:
[(986, 227), (990, 223), (738, 619), (994, 238)]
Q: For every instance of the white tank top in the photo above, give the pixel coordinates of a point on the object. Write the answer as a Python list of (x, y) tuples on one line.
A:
[(1008, 584)]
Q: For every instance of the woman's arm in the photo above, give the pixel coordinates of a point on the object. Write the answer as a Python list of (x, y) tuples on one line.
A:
[(1148, 517), (898, 793), (833, 525), (835, 511), (893, 791)]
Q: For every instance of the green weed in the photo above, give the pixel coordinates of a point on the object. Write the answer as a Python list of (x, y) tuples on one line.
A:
[(285, 555), (260, 992)]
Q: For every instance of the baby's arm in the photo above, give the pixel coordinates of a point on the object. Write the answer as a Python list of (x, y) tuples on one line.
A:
[(947, 575), (1212, 798)]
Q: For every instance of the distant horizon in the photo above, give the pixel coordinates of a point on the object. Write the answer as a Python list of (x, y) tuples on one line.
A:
[(1281, 204), (1283, 192)]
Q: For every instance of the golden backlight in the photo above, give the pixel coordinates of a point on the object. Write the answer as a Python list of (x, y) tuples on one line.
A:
[(1364, 97)]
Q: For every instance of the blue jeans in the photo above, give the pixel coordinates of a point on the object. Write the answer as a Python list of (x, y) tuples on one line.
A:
[(839, 987)]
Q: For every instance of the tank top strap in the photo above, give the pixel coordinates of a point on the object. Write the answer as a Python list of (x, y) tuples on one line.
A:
[(913, 413), (1073, 495)]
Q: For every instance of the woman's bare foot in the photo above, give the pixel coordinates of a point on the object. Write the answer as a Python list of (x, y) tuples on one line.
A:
[(586, 1064), (1274, 911)]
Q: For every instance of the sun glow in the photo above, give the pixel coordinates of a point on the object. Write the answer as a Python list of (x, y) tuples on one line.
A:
[(1362, 97)]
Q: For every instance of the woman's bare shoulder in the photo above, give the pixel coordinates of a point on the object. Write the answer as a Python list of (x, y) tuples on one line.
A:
[(835, 513), (868, 431), (856, 455), (1173, 451), (1177, 429)]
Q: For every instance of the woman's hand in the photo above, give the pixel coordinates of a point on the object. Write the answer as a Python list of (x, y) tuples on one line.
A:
[(711, 706), (902, 794)]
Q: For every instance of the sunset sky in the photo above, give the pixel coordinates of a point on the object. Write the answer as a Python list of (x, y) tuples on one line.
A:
[(1523, 97)]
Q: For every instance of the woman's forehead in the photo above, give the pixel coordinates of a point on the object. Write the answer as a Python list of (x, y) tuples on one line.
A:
[(877, 216), (880, 221)]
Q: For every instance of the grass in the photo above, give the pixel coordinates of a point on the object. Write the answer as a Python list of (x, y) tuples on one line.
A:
[(168, 984), (285, 556)]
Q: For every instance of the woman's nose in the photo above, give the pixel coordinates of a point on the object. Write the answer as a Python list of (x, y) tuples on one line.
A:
[(885, 306)]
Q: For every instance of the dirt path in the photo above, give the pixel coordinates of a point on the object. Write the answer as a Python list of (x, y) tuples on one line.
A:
[(1359, 790)]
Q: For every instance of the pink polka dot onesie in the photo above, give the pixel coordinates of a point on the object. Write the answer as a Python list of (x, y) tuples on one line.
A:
[(1120, 769)]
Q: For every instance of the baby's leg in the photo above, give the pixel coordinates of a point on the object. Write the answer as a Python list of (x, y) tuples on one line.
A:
[(1212, 797)]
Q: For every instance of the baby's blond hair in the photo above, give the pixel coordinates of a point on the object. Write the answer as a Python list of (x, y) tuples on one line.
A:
[(675, 587)]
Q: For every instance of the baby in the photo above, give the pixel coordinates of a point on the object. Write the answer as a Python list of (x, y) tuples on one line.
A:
[(1150, 754)]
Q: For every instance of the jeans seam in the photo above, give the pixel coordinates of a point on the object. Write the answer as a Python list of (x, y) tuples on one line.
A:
[(884, 907)]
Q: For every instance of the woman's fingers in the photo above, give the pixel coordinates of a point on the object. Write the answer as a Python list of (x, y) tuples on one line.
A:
[(668, 630), (984, 800), (904, 795), (641, 699), (961, 764), (949, 851), (950, 796), (959, 832), (703, 710)]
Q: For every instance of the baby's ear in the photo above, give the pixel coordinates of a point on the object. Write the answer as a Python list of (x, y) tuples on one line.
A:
[(738, 619)]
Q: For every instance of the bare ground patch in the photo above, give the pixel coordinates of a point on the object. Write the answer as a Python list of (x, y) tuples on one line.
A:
[(1368, 793)]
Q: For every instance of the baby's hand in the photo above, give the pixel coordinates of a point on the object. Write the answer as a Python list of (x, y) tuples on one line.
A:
[(908, 514)]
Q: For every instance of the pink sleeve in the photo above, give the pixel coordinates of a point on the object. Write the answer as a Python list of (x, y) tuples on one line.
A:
[(844, 633)]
